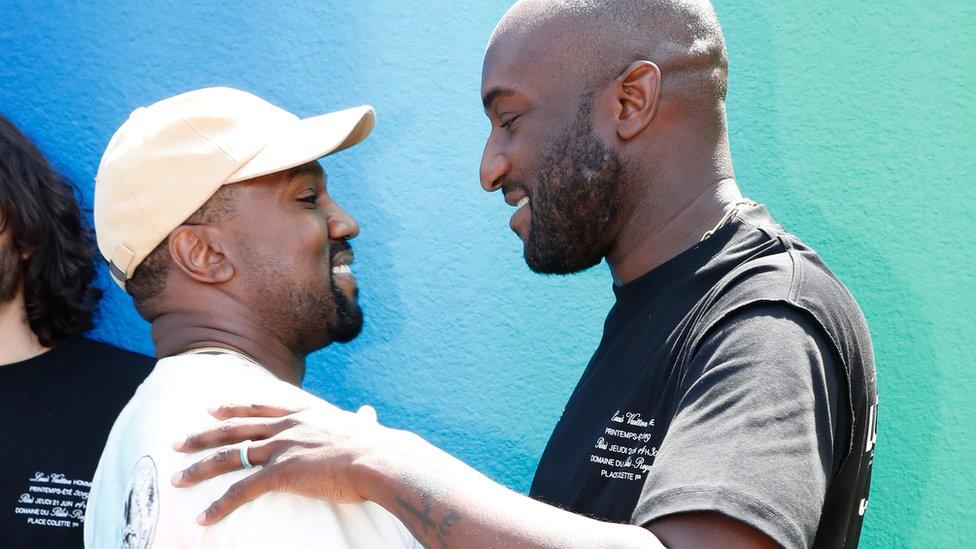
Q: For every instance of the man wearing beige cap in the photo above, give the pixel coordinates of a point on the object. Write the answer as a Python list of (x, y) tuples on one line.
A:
[(211, 210)]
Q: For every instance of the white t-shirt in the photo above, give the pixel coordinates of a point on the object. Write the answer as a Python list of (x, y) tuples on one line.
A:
[(133, 504)]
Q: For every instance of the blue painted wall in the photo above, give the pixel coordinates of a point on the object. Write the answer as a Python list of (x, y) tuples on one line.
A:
[(854, 125)]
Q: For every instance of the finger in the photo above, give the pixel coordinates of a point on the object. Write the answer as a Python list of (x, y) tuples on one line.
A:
[(230, 432), (238, 494), (251, 410), (222, 461)]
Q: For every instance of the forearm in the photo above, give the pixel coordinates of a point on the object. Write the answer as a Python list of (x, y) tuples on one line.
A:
[(446, 503)]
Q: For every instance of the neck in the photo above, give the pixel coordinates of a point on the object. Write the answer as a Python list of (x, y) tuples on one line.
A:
[(662, 224), (178, 332), (19, 341)]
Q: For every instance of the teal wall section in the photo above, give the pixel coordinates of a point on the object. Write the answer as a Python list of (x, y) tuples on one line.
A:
[(853, 122)]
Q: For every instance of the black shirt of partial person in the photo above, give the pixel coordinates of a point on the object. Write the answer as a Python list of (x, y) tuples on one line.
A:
[(56, 411), (737, 378)]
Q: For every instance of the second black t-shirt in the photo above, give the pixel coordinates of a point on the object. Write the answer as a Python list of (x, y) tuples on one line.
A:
[(56, 411), (737, 378)]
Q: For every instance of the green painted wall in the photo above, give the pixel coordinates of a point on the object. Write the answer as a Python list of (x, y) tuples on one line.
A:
[(854, 122)]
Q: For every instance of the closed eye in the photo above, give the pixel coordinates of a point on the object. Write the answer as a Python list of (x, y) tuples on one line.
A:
[(310, 199)]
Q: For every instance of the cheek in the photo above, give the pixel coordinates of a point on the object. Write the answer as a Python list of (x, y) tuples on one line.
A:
[(307, 229), (522, 149), (311, 242), (296, 241), (538, 159)]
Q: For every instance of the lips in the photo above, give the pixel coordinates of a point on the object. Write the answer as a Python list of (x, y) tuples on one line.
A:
[(516, 196), (342, 259), (520, 219)]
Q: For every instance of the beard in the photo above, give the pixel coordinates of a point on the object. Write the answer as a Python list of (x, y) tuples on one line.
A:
[(11, 271), (308, 314), (348, 315), (576, 201), (317, 319)]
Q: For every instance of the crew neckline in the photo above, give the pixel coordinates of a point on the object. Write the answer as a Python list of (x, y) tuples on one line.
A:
[(225, 358), (660, 279), (46, 358)]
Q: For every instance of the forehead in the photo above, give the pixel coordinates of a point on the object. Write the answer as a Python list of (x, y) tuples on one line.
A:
[(517, 57), (313, 168), (305, 175), (253, 191)]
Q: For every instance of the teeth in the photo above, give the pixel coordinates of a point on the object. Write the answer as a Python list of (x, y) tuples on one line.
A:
[(522, 202), (342, 270)]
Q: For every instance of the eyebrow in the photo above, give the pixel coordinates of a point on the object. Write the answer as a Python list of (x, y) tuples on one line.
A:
[(309, 168), (494, 94)]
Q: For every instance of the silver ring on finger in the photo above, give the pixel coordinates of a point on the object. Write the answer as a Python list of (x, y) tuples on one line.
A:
[(242, 449)]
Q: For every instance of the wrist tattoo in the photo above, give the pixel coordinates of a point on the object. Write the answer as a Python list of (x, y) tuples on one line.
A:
[(429, 526)]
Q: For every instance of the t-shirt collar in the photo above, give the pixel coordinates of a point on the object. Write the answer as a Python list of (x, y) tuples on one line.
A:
[(658, 280)]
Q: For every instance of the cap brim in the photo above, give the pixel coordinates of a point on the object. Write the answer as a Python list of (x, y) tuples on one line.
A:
[(309, 139)]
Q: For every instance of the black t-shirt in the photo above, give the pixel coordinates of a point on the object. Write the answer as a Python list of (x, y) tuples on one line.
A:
[(56, 411), (737, 378)]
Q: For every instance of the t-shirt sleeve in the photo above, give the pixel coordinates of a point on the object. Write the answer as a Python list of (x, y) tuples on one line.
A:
[(753, 437)]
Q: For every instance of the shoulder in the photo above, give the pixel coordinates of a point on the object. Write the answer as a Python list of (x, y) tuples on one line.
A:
[(92, 365), (763, 338), (289, 520), (222, 378), (99, 357), (765, 319), (110, 356), (786, 272)]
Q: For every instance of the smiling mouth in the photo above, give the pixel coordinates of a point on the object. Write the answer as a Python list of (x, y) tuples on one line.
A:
[(519, 221), (342, 259)]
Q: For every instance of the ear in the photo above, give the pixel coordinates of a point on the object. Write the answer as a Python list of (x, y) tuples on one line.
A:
[(638, 90), (198, 251)]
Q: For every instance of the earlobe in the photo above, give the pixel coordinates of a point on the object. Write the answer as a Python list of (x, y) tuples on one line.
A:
[(639, 92), (199, 254)]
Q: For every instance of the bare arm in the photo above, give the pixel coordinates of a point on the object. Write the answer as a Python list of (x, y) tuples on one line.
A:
[(446, 503), (330, 454)]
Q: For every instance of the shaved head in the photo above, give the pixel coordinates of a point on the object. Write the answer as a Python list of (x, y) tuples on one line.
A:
[(608, 118), (595, 40)]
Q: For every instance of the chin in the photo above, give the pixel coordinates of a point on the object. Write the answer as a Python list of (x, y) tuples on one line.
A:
[(347, 337), (558, 262), (348, 322), (558, 267)]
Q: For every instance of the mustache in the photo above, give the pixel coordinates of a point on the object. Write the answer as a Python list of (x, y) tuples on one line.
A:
[(508, 185), (338, 247)]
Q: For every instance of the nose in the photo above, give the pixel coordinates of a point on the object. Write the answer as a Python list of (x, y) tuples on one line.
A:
[(494, 166), (342, 226)]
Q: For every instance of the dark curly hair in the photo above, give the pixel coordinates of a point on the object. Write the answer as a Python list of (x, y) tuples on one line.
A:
[(38, 209)]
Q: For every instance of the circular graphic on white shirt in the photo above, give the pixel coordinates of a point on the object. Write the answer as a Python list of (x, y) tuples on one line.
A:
[(141, 506)]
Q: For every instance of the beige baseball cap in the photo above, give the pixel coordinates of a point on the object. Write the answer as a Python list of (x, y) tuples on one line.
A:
[(169, 158)]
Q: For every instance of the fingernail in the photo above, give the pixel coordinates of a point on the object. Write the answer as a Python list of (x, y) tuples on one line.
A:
[(177, 478), (201, 517), (178, 445)]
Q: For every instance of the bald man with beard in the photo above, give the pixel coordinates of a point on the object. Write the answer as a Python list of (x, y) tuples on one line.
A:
[(731, 401)]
